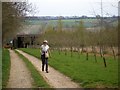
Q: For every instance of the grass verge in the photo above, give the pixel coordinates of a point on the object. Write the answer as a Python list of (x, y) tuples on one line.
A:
[(38, 79), (0, 68), (5, 67), (87, 73)]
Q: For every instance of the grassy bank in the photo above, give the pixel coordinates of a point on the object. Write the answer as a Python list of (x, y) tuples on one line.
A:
[(0, 68), (5, 67), (38, 79), (87, 73)]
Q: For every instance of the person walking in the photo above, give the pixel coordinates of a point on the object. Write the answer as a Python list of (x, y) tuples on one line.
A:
[(44, 55)]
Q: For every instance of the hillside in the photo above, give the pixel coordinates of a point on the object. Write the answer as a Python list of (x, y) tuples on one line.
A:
[(70, 22), (36, 25)]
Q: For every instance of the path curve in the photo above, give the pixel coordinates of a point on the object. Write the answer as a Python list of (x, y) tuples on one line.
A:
[(20, 76), (54, 78)]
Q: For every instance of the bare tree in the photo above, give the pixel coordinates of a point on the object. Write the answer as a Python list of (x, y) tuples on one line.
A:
[(13, 14)]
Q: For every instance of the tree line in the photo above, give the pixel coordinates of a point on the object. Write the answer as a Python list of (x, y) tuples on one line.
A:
[(80, 36), (101, 41)]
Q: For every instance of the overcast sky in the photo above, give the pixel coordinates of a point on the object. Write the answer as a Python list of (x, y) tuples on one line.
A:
[(74, 7)]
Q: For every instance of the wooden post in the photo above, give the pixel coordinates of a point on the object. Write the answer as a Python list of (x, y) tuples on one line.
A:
[(86, 53), (71, 52), (65, 51), (87, 56), (104, 61), (95, 57)]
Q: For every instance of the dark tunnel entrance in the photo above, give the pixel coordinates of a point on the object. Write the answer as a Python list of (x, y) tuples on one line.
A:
[(20, 41)]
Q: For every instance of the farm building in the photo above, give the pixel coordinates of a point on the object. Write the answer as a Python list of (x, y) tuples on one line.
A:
[(24, 40)]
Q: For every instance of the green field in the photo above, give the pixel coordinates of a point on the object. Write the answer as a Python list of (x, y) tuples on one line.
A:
[(87, 73), (88, 23), (5, 67), (66, 23)]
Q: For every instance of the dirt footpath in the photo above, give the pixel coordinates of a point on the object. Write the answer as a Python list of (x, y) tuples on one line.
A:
[(19, 75), (54, 78)]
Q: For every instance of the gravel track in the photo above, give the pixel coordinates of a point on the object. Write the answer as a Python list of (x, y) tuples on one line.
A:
[(20, 76), (53, 78)]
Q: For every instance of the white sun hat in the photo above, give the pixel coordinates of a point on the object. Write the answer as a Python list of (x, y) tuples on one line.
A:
[(45, 41)]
